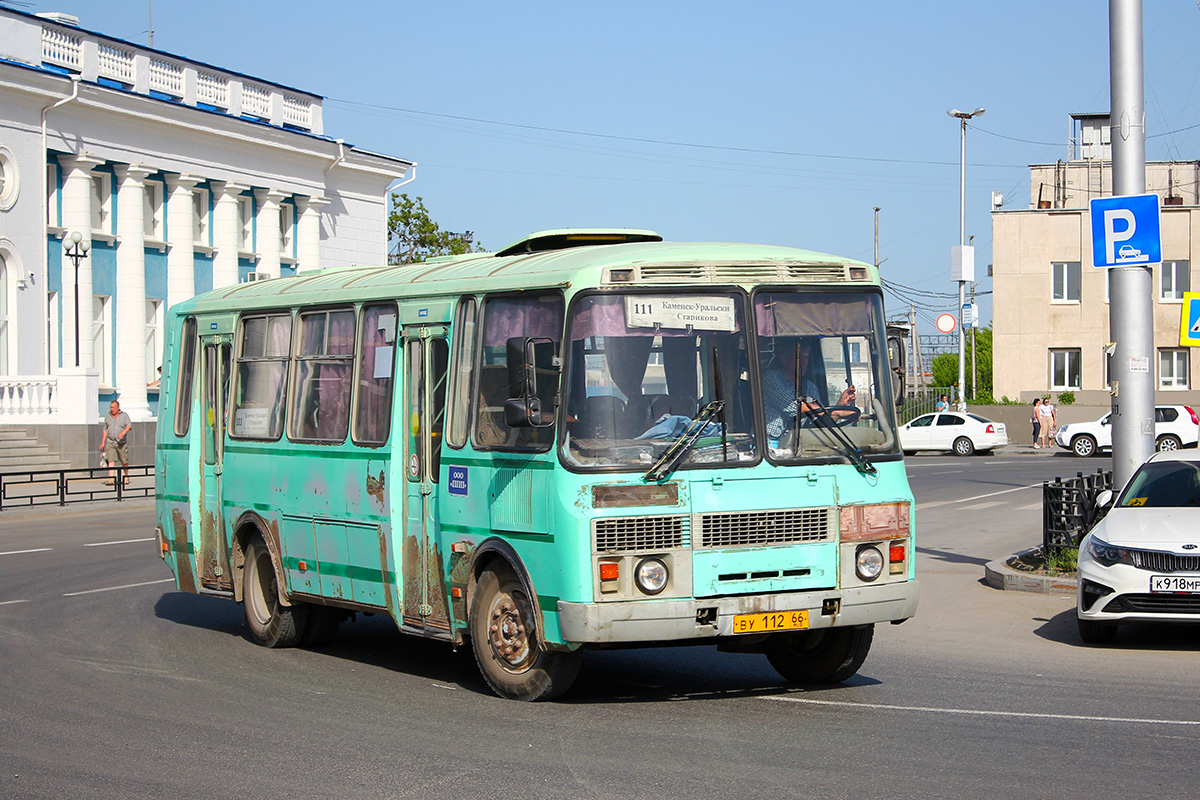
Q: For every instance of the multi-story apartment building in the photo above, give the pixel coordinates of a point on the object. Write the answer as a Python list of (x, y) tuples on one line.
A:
[(1050, 304), (176, 177)]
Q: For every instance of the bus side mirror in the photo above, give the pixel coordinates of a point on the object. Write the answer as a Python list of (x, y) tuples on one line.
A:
[(895, 348), (525, 355)]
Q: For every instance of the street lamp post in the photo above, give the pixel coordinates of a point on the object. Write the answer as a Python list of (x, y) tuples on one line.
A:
[(75, 247), (963, 116)]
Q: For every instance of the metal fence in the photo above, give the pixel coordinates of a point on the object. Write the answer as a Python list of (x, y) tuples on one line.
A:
[(923, 401), (58, 487), (1069, 509)]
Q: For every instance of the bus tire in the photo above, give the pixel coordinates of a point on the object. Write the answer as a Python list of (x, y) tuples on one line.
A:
[(322, 626), (505, 640), (825, 655), (269, 622)]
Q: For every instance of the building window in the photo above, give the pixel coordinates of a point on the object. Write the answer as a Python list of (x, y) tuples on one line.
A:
[(1064, 370), (246, 217), (3, 317), (9, 179), (52, 215), (153, 340), (200, 216), (1172, 369), (1176, 279), (102, 203), (101, 341), (287, 224), (1065, 279), (152, 221)]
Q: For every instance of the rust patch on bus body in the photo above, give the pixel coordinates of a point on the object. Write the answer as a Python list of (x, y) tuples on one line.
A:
[(459, 577), (439, 611), (208, 547), (375, 487), (410, 564), (183, 559), (385, 565)]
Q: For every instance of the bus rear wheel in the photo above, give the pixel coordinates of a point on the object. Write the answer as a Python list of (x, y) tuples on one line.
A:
[(825, 655), (269, 622), (504, 637)]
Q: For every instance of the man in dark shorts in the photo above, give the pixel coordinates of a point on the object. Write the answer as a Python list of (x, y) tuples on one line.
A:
[(113, 444)]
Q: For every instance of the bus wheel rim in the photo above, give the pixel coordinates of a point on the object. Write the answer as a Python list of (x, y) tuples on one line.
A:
[(508, 634)]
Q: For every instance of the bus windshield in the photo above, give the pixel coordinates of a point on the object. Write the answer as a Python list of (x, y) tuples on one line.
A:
[(823, 366), (642, 369)]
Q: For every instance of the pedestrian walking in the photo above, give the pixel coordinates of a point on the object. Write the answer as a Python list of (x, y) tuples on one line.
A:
[(1048, 419), (1037, 423), (113, 443)]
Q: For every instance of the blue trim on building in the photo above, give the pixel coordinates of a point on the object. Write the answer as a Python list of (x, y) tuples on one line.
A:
[(156, 274), (202, 277)]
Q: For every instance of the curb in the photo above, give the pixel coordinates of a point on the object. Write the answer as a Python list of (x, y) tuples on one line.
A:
[(999, 575)]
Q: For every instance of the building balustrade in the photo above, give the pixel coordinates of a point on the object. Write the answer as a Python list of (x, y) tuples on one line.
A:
[(30, 398)]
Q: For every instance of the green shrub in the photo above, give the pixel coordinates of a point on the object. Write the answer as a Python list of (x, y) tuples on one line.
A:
[(1066, 398)]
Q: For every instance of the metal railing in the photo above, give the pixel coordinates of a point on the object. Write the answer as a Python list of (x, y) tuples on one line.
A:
[(1069, 509), (923, 401), (58, 487)]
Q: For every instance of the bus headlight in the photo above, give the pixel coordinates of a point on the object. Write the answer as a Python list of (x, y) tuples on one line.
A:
[(651, 575), (868, 562)]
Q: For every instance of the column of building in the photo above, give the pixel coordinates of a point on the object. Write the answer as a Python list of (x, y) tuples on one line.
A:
[(227, 232), (181, 257), (77, 282), (130, 354), (308, 233), (267, 242)]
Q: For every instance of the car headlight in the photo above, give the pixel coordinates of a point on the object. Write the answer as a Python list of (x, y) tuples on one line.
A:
[(868, 562), (651, 575), (1104, 553)]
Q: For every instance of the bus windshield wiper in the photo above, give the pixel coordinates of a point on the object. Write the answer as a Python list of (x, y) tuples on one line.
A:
[(683, 443), (821, 416)]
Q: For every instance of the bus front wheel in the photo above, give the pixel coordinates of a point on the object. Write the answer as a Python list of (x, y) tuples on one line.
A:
[(825, 655), (269, 622), (504, 637)]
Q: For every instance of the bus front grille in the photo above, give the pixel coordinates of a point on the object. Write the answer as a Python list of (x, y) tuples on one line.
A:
[(758, 528), (632, 534)]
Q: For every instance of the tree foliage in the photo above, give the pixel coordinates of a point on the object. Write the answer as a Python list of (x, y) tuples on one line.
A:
[(413, 235), (945, 365)]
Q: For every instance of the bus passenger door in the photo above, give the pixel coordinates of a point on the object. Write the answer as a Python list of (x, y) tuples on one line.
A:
[(426, 360), (212, 557)]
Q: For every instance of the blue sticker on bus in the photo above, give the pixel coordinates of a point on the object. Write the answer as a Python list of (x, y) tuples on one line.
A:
[(422, 312), (212, 326), (458, 481)]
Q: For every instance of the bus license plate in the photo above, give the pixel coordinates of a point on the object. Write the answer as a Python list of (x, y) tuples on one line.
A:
[(1174, 583), (774, 621)]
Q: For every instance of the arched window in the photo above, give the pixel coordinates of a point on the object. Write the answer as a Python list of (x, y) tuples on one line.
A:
[(3, 316)]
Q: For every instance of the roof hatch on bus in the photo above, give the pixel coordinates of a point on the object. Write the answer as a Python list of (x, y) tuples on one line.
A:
[(580, 237)]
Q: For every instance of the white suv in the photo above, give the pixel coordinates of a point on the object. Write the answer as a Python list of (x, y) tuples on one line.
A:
[(1174, 427)]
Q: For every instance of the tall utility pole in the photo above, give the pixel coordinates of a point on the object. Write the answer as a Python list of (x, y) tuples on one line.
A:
[(962, 261), (1131, 306), (876, 237)]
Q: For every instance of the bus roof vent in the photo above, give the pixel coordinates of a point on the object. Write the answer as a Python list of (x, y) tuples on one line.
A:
[(580, 237)]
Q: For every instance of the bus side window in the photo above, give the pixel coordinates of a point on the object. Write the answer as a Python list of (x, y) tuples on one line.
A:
[(187, 372), (507, 317), (324, 367), (462, 369), (262, 360), (376, 365)]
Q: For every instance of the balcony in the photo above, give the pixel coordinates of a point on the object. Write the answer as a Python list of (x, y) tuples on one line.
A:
[(128, 67)]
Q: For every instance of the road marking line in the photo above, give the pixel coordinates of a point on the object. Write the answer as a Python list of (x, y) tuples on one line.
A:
[(22, 552), (984, 713), (114, 588), (1030, 507), (976, 497), (12, 602), (981, 506), (123, 541)]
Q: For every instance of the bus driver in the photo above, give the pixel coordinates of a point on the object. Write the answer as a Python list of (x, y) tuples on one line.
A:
[(779, 391)]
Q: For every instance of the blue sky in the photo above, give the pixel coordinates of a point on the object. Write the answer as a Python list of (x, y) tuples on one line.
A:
[(776, 122)]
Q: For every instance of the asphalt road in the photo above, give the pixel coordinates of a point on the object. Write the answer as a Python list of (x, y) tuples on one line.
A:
[(112, 684)]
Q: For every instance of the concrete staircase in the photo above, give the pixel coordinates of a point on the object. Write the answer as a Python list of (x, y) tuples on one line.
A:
[(20, 452)]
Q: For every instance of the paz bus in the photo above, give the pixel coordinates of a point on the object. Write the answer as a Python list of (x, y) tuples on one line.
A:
[(589, 439)]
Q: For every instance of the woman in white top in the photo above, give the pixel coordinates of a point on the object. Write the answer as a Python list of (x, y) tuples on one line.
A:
[(1048, 420)]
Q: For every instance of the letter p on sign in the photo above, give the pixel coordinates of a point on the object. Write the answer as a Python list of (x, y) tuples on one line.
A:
[(1113, 237)]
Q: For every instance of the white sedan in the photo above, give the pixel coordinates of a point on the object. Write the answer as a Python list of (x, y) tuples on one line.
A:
[(960, 433), (1141, 563)]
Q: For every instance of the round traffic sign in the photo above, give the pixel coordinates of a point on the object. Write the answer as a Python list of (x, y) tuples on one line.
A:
[(946, 323)]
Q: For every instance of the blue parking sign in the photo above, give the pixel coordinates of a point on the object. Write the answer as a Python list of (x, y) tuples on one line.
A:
[(1126, 231)]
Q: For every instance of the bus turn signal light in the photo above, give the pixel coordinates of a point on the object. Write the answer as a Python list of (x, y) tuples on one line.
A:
[(610, 571), (896, 558)]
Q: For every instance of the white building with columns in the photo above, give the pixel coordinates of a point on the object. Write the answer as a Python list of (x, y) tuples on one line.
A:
[(176, 177)]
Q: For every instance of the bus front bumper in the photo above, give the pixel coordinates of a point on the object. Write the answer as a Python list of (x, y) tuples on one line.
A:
[(669, 620)]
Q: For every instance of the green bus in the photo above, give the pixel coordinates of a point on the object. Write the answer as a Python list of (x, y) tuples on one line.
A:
[(589, 439)]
